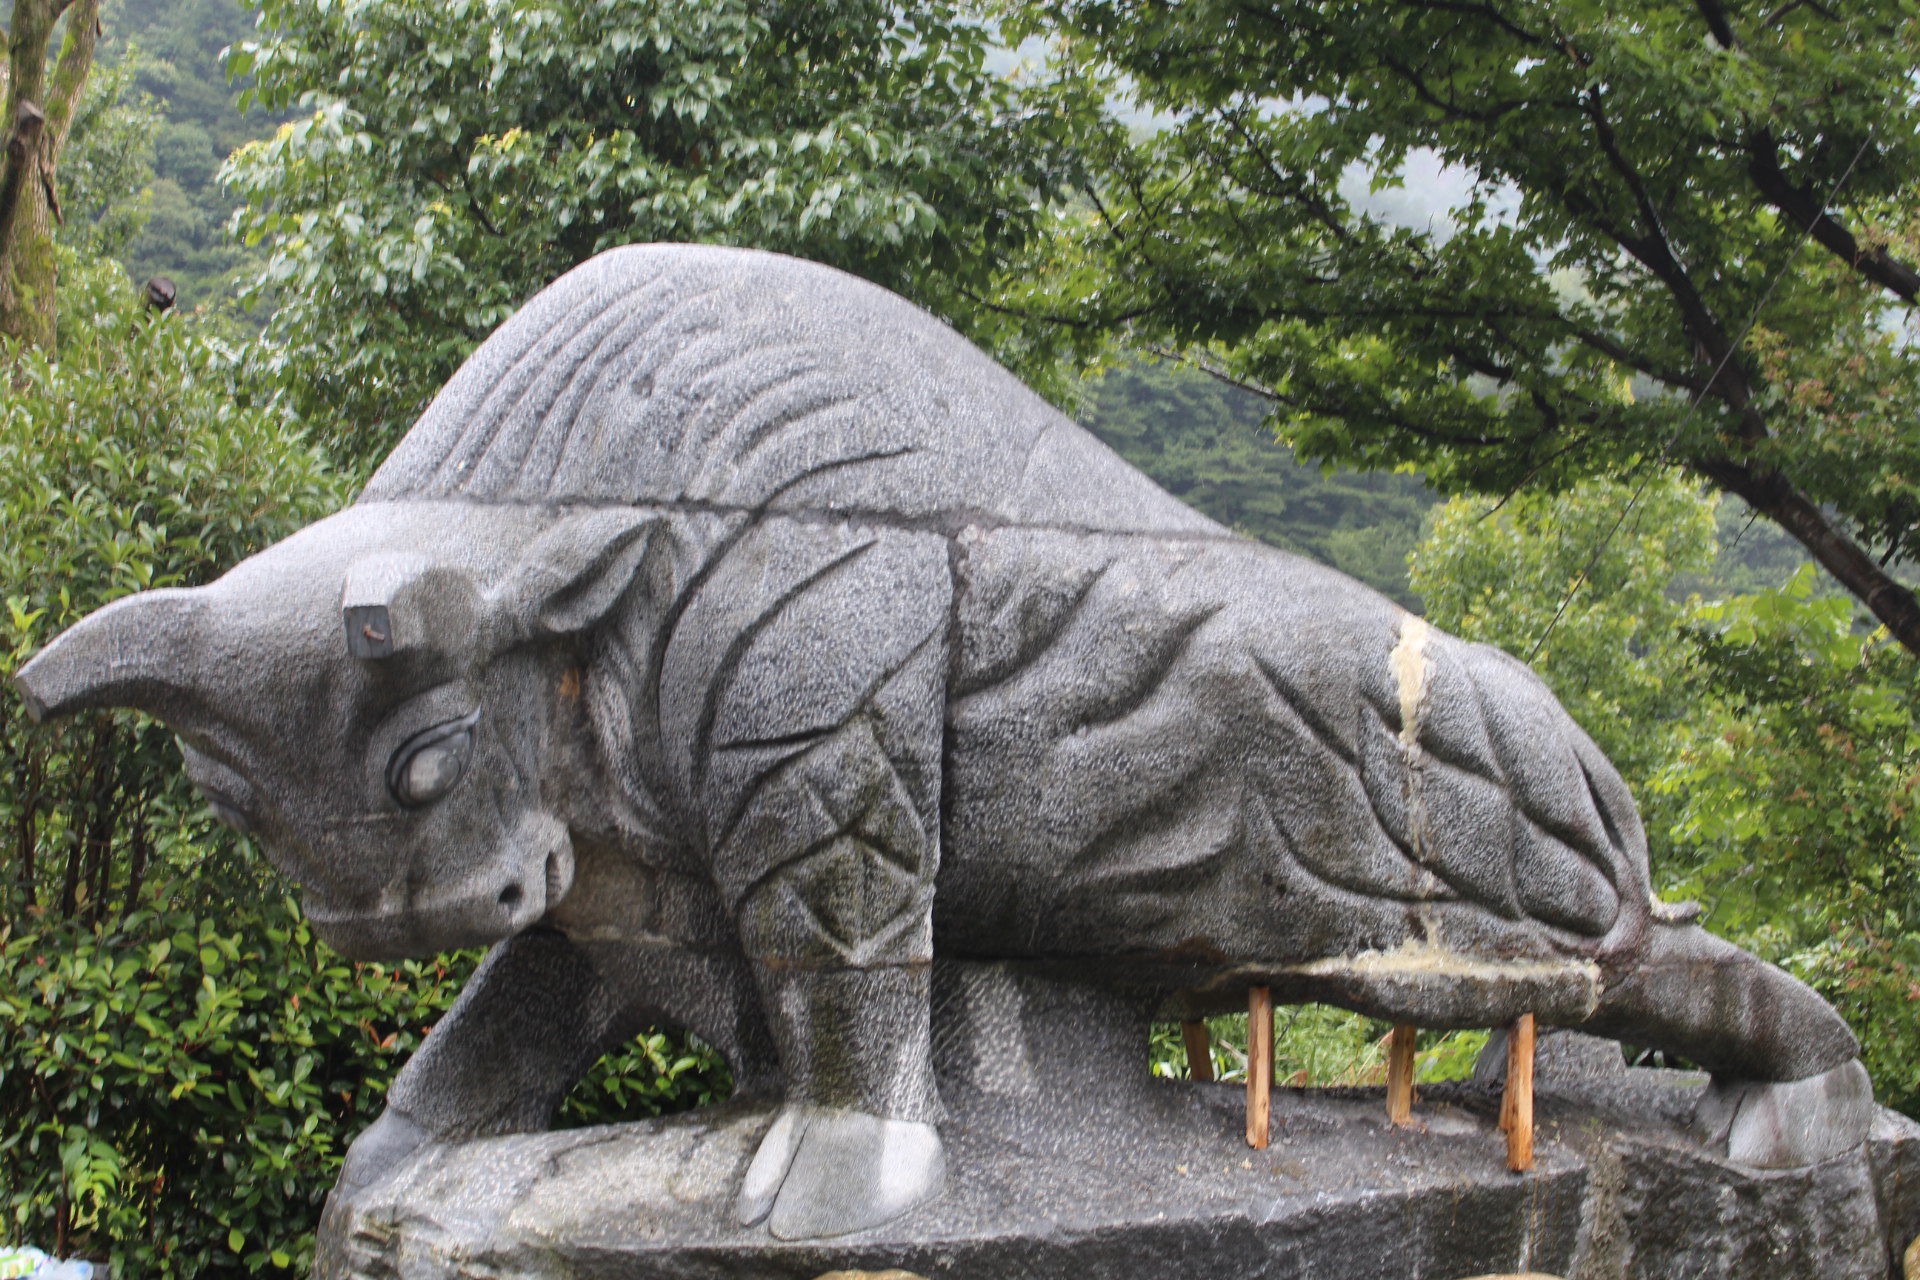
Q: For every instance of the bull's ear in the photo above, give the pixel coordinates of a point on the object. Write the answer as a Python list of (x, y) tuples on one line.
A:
[(404, 603), (577, 571), (148, 651)]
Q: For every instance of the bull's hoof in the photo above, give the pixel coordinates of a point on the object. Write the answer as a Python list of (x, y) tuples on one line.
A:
[(1790, 1124), (825, 1172)]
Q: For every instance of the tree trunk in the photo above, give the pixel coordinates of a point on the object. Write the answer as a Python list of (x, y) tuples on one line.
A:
[(142, 845), (39, 114)]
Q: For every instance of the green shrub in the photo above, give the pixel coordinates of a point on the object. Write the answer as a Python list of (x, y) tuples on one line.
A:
[(176, 1091), (182, 1065), (134, 459)]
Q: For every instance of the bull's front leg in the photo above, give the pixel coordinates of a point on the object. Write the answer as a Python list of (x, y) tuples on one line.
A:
[(534, 1018), (838, 929), (822, 777), (531, 1020)]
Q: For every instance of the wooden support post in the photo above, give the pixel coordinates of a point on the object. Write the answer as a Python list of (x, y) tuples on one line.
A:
[(1259, 1066), (1199, 1050), (1400, 1048), (1516, 1105)]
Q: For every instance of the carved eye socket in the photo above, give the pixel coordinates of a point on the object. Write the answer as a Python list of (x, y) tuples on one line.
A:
[(428, 764)]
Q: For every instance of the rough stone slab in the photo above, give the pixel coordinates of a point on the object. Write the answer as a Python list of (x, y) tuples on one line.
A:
[(1893, 1145), (1160, 1184)]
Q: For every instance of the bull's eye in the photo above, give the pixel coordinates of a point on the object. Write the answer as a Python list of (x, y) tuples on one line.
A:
[(428, 764)]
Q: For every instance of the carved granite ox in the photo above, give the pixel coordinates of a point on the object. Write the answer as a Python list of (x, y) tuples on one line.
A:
[(730, 637)]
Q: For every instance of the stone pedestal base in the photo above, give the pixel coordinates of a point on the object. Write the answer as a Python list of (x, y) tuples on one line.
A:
[(1066, 1161)]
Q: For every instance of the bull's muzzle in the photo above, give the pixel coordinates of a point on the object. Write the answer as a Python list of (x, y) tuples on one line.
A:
[(487, 907)]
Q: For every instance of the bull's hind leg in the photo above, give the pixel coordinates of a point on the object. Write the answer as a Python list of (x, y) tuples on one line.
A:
[(1788, 1085)]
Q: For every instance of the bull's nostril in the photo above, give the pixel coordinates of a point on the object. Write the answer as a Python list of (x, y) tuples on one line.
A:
[(510, 896)]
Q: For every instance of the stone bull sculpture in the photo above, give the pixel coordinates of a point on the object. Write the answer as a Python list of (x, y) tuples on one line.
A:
[(730, 638)]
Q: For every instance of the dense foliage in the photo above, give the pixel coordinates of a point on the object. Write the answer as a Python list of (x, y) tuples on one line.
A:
[(133, 460), (1688, 237), (108, 164), (1612, 650), (130, 461), (452, 159), (177, 1090), (1795, 809)]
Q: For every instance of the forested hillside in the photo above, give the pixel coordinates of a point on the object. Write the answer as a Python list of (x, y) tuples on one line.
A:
[(1202, 439), (176, 46)]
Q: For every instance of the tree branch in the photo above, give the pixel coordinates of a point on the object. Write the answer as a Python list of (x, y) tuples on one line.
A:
[(1045, 317), (1485, 12), (1803, 207), (1452, 110), (1767, 490), (473, 202), (1301, 192), (1718, 22), (1399, 422), (1620, 353), (70, 73), (1655, 251), (1790, 6), (1219, 375)]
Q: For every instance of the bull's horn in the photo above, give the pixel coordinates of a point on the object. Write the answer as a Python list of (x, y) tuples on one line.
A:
[(139, 652)]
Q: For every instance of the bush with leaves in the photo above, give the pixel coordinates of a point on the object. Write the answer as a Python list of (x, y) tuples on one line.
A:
[(1797, 805), (109, 157), (1576, 583), (177, 1090), (132, 460)]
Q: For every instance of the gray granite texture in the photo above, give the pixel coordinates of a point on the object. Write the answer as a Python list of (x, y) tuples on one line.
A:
[(1070, 1162), (730, 638)]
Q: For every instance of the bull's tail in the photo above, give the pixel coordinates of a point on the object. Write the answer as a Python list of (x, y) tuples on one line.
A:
[(1705, 999)]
